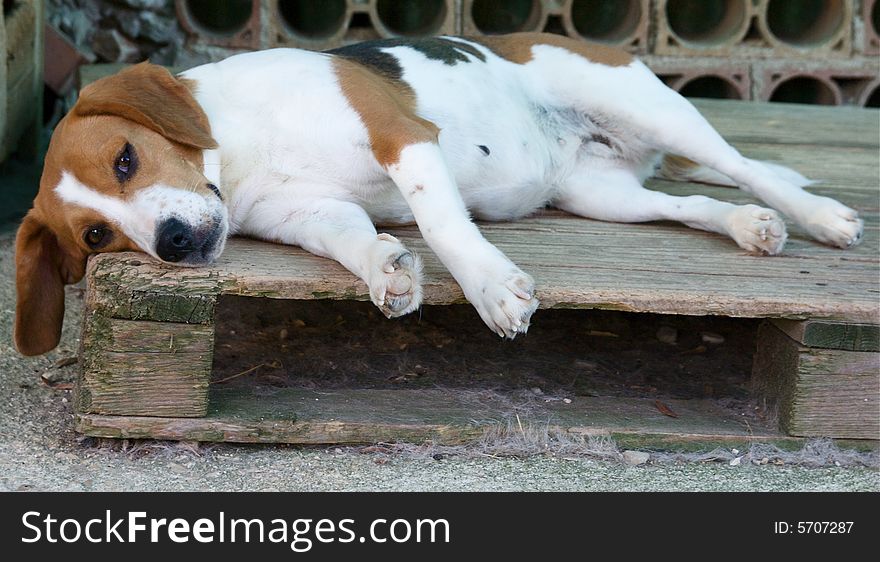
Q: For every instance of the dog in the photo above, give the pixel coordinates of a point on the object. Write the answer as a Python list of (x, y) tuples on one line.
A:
[(316, 148)]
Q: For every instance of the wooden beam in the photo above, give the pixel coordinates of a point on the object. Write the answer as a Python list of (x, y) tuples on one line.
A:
[(139, 368), (817, 392), (442, 417), (832, 335)]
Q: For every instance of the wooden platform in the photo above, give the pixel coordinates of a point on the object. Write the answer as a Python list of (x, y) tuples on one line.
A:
[(148, 334)]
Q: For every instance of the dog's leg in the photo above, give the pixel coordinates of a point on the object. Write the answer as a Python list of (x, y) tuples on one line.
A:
[(503, 295), (636, 104), (612, 194), (682, 130), (343, 231)]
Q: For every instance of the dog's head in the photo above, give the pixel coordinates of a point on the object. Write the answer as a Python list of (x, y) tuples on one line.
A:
[(124, 171)]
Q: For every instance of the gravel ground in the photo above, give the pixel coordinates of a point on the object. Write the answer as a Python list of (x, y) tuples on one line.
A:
[(40, 451)]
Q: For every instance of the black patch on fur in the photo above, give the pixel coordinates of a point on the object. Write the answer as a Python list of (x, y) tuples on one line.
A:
[(370, 54), (484, 148), (602, 139)]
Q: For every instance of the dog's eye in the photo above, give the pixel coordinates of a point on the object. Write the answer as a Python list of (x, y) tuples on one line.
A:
[(125, 163), (97, 237)]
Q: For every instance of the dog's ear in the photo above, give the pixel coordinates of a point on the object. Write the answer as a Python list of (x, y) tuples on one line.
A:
[(42, 268), (148, 94)]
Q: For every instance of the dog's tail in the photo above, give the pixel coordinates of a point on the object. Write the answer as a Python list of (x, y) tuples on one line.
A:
[(679, 168)]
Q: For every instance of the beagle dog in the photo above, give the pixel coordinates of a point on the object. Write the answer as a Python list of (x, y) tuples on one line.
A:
[(314, 149)]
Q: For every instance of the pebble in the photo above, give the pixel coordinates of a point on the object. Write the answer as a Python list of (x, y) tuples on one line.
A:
[(537, 391), (282, 335), (567, 400), (736, 461), (635, 458), (667, 335), (712, 338)]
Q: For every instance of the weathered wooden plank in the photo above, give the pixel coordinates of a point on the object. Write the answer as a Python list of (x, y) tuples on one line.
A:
[(818, 392), (792, 123), (437, 416), (838, 167), (23, 78), (658, 268), (133, 336), (144, 368), (3, 94), (832, 335), (843, 406), (825, 363), (112, 293)]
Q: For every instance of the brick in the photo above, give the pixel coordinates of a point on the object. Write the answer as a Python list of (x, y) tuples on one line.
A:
[(830, 35), (678, 73), (870, 27), (673, 37), (535, 20), (247, 36), (870, 96), (439, 18), (630, 30), (844, 82), (354, 21), (285, 31), (747, 29), (59, 70)]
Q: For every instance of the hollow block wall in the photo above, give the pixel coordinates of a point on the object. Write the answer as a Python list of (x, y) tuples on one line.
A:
[(808, 51)]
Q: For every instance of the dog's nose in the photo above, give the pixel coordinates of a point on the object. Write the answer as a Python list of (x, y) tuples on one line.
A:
[(174, 240)]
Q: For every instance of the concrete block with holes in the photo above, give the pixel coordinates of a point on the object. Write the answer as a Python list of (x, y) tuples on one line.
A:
[(705, 77), (868, 25), (622, 23), (341, 22), (853, 82), (235, 24), (754, 28)]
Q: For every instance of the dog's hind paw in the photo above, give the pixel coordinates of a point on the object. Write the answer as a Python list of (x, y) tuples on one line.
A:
[(396, 279), (834, 223)]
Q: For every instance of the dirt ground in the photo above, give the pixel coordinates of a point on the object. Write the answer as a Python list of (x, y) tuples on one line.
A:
[(574, 352), (40, 451)]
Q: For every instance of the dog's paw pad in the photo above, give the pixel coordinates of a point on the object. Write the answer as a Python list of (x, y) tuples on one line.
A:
[(757, 229), (507, 305), (396, 287)]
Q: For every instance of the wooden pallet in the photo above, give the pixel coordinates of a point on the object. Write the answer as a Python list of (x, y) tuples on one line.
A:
[(148, 333)]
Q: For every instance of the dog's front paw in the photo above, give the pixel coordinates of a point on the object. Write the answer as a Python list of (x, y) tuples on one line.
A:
[(396, 278), (834, 223), (506, 302), (757, 229)]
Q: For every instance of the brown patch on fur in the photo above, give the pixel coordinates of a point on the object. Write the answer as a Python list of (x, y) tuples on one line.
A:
[(386, 108), (143, 106), (674, 166), (148, 94), (517, 47), (43, 265)]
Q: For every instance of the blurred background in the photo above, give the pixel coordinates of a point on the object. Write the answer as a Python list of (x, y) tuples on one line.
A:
[(795, 51)]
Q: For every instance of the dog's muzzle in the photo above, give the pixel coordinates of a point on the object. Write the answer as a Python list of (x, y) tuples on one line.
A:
[(178, 242)]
